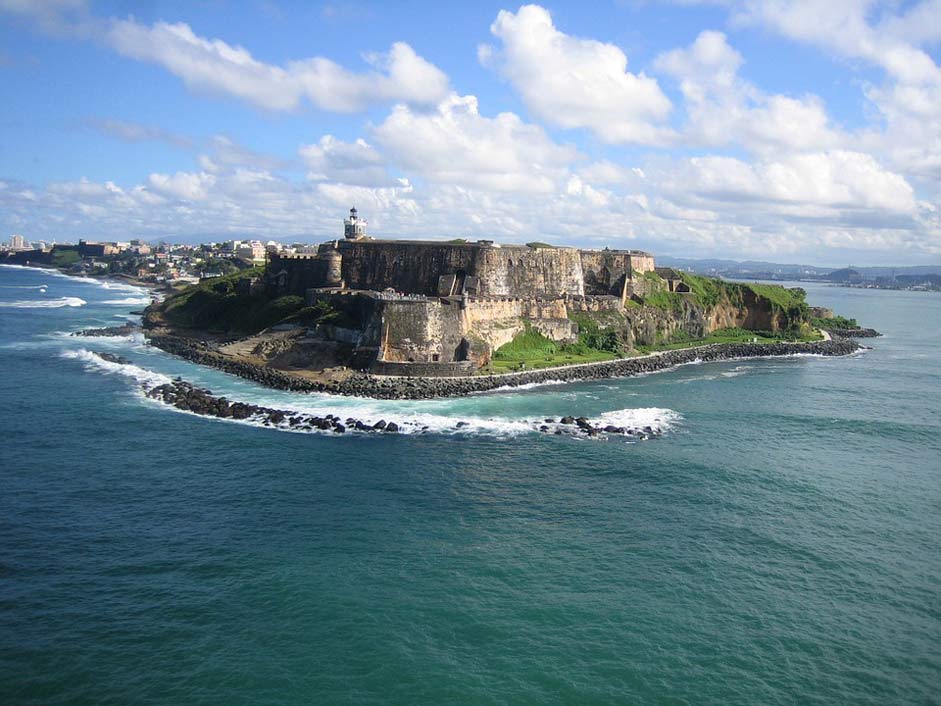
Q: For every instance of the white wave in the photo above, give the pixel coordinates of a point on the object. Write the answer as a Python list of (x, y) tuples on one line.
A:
[(657, 418), (118, 286), (409, 421), (134, 339), (525, 386), (44, 303), (104, 283), (129, 370), (737, 370), (129, 301), (23, 286)]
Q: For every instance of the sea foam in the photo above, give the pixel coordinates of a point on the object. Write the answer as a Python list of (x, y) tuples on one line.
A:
[(44, 303), (128, 301), (95, 362), (409, 421)]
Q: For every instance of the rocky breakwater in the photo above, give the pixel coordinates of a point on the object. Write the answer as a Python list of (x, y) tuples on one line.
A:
[(123, 330), (187, 397), (389, 387)]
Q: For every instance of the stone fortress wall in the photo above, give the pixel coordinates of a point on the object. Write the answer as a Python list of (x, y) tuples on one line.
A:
[(447, 306), (448, 269)]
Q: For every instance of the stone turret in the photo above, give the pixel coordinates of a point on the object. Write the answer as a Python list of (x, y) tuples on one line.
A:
[(334, 269)]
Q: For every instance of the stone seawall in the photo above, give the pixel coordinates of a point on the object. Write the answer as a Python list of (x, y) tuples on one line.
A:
[(363, 385)]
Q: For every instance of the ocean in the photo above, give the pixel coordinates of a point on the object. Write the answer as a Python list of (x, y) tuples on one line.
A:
[(779, 544)]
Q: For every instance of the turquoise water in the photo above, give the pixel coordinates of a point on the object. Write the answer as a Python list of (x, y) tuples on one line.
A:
[(778, 545)]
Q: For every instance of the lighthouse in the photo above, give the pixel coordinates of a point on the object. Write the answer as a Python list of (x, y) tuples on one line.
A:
[(354, 227)]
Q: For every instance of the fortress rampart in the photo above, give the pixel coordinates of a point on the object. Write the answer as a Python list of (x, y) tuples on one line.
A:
[(452, 269), (451, 304)]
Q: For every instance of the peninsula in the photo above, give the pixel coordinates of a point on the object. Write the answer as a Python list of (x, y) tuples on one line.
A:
[(397, 318)]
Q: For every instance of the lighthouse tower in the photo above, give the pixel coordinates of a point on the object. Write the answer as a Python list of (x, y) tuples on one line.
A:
[(354, 227)]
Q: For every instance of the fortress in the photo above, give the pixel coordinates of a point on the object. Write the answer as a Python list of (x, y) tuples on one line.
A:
[(442, 308)]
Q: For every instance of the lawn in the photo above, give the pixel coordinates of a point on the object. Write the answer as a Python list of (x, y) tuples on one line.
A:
[(512, 364), (530, 350), (731, 335)]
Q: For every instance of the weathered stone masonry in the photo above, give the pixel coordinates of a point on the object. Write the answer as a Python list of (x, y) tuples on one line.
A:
[(451, 304)]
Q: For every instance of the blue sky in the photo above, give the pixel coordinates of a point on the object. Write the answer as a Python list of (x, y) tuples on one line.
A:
[(799, 131)]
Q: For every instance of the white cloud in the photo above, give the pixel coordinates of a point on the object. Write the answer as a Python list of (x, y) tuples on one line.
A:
[(214, 65), (455, 144), (807, 205), (348, 162), (189, 186), (835, 185), (842, 26), (84, 188), (437, 167), (574, 82), (723, 109), (607, 172), (910, 138)]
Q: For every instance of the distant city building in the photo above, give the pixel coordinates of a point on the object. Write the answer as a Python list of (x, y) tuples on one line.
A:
[(18, 242), (254, 250), (90, 248)]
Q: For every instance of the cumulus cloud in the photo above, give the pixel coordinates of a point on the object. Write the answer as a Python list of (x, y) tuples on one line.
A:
[(216, 66), (893, 40), (441, 166), (722, 108), (842, 26), (840, 186), (809, 205), (455, 144), (357, 162), (187, 186), (574, 82)]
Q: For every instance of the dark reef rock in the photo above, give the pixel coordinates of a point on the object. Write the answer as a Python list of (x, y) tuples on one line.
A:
[(112, 358), (124, 330), (189, 398), (853, 332)]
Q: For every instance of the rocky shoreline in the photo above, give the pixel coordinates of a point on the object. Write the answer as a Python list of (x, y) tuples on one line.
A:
[(853, 332), (187, 397), (123, 330), (399, 388)]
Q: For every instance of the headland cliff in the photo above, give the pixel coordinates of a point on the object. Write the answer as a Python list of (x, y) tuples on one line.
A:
[(428, 318)]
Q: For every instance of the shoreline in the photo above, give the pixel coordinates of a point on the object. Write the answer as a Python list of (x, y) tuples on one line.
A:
[(118, 277), (417, 388), (369, 386)]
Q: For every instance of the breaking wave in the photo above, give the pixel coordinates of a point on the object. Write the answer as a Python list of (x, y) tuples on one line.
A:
[(652, 420), (95, 362), (44, 303), (128, 301)]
